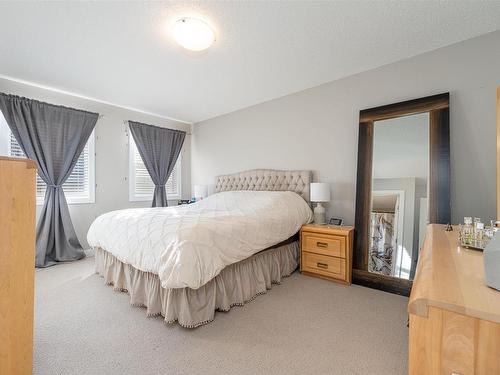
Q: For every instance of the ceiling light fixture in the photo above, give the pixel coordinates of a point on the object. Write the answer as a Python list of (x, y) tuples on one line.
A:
[(193, 34)]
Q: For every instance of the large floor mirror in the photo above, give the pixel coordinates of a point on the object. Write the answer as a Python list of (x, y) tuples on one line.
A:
[(403, 184)]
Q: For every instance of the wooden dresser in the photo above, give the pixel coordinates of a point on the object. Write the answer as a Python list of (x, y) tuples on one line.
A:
[(454, 316), (17, 264), (326, 252)]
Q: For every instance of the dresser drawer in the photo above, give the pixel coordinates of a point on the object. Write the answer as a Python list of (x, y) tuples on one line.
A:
[(324, 265), (330, 245)]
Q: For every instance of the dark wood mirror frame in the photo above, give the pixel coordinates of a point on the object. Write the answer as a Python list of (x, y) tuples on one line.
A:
[(439, 180)]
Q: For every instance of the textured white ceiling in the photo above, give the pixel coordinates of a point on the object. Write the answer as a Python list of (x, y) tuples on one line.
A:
[(119, 52)]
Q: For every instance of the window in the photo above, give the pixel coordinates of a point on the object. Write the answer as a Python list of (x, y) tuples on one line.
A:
[(78, 188), (141, 186)]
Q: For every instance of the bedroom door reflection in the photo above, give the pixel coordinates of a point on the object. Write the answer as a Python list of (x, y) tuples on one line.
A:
[(399, 194)]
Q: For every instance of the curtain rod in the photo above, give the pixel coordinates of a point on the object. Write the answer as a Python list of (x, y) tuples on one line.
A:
[(125, 122)]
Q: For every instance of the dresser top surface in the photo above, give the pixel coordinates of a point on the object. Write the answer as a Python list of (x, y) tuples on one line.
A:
[(452, 278), (327, 229), (30, 164)]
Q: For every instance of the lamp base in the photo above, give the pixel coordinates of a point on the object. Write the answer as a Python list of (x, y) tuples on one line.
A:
[(319, 214)]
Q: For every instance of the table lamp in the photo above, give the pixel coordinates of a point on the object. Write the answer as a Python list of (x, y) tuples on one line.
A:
[(320, 192)]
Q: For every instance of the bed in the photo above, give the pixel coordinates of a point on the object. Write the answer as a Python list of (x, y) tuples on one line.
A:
[(187, 262)]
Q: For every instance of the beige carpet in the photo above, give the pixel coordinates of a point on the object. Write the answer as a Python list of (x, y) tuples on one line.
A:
[(305, 325)]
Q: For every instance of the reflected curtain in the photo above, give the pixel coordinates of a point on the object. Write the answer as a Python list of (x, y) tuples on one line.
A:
[(382, 242), (53, 136), (159, 149)]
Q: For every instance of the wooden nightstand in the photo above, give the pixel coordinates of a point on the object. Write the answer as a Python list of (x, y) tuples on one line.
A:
[(326, 252)]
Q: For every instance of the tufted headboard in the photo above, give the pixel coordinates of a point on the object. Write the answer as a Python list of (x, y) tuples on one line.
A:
[(266, 180)]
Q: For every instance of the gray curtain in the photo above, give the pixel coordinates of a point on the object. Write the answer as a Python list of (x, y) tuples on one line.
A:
[(159, 149), (54, 137)]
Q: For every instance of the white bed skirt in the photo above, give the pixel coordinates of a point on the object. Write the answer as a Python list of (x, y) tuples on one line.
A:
[(236, 284)]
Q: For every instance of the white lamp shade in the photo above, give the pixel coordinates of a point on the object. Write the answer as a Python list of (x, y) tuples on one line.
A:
[(200, 191), (320, 192)]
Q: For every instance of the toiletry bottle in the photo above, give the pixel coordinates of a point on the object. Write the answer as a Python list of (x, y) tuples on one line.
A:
[(479, 231), (467, 230)]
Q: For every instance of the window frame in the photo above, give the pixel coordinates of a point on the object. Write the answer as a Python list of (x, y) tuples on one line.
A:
[(133, 197), (5, 134)]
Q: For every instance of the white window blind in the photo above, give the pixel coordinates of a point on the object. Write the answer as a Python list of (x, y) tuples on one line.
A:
[(141, 185), (15, 151), (79, 187)]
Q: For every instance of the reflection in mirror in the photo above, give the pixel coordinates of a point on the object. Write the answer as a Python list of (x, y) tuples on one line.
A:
[(399, 208)]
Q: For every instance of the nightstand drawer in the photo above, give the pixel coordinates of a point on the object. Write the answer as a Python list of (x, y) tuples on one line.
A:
[(324, 265), (330, 245)]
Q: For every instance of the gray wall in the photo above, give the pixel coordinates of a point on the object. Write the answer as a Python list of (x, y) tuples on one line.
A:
[(111, 147), (317, 128)]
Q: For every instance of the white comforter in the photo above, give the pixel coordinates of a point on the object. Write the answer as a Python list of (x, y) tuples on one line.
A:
[(187, 246)]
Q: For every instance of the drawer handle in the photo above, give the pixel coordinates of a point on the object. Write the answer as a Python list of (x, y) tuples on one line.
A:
[(322, 265), (321, 244)]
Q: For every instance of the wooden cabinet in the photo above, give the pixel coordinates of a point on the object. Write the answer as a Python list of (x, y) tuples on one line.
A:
[(326, 252), (454, 316), (17, 264)]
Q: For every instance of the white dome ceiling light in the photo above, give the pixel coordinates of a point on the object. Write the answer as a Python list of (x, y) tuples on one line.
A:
[(193, 34)]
